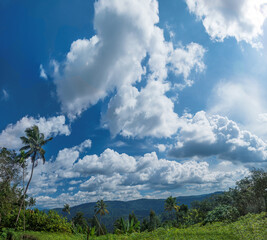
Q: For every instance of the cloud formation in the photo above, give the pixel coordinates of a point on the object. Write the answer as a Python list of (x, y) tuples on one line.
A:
[(241, 101), (42, 72), (5, 95), (10, 136), (241, 19), (131, 177), (148, 112), (203, 136), (113, 60)]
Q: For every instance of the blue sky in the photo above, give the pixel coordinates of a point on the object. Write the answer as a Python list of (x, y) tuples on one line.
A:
[(144, 98)]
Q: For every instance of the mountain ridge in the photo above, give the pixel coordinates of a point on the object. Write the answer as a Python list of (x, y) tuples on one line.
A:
[(141, 208)]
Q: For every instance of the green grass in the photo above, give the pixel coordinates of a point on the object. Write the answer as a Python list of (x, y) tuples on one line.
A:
[(49, 236), (252, 226)]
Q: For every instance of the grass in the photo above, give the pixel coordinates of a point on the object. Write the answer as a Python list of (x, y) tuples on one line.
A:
[(250, 227)]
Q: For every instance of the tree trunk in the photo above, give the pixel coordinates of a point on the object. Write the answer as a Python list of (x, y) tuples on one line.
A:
[(23, 199), (99, 224), (33, 161)]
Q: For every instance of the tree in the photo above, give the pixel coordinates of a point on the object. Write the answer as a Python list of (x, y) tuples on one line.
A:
[(222, 213), (181, 214), (101, 209), (32, 202), (66, 208), (250, 195), (79, 220), (9, 179), (22, 161), (170, 204), (34, 141), (154, 221), (127, 226)]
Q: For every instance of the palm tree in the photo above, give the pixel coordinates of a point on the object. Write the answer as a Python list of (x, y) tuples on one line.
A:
[(33, 144), (170, 204), (22, 162), (66, 208), (101, 209), (32, 202)]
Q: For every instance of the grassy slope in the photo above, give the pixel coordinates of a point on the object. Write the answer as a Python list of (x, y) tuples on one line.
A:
[(248, 227)]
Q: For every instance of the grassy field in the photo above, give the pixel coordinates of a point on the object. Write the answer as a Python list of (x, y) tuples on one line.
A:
[(248, 227)]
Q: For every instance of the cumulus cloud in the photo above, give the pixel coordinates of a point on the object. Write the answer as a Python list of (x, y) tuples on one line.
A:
[(203, 135), (113, 60), (131, 177), (10, 136), (241, 101), (42, 72), (184, 60), (161, 147), (50, 175), (147, 112), (107, 163), (241, 19)]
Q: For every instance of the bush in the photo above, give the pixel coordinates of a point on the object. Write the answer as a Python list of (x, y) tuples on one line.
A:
[(36, 220), (222, 213)]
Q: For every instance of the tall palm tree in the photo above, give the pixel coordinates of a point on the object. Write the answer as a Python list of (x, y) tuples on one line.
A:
[(66, 208), (34, 141), (32, 202), (170, 204), (101, 209), (22, 162)]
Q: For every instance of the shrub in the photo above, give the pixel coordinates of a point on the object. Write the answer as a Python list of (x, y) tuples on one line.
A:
[(222, 213)]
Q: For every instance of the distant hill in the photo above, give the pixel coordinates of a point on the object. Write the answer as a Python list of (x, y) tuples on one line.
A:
[(140, 207)]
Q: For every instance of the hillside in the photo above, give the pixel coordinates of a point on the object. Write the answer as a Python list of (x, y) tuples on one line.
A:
[(141, 208)]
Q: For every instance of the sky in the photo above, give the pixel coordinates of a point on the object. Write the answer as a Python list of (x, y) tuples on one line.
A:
[(143, 98)]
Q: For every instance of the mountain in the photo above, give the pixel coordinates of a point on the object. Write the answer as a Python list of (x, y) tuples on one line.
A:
[(140, 207)]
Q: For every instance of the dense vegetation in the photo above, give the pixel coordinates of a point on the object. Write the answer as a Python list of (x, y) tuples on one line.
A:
[(252, 226), (215, 217)]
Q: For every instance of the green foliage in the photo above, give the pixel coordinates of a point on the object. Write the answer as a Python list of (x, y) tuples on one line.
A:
[(252, 226), (126, 226), (10, 194), (66, 208), (222, 213), (170, 204), (39, 221), (79, 222), (250, 195), (101, 208), (151, 224)]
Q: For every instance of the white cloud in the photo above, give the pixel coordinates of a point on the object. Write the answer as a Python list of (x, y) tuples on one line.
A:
[(42, 72), (161, 147), (10, 136), (107, 163), (85, 197), (115, 176), (74, 182), (52, 173), (241, 19), (241, 101), (112, 60), (138, 114), (203, 135), (84, 145), (185, 60), (5, 95)]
